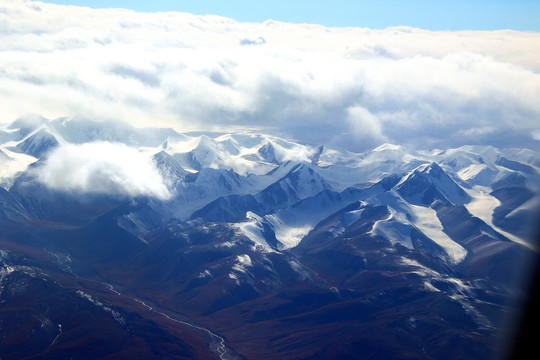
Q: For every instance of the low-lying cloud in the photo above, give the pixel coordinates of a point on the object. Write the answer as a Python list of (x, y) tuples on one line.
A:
[(353, 86), (102, 168)]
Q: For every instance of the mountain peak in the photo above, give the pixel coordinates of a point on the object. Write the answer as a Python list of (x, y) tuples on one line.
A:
[(429, 182), (38, 144), (29, 122), (267, 152), (391, 147), (4, 156)]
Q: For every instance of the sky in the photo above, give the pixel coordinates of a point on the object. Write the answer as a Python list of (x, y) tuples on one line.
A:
[(352, 87), (426, 14)]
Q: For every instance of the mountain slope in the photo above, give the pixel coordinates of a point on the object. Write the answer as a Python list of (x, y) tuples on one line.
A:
[(266, 248)]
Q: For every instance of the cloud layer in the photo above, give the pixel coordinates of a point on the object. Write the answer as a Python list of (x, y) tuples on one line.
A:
[(351, 86), (102, 168)]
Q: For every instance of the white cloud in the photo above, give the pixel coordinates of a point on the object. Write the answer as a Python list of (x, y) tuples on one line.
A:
[(365, 125), (103, 168), (305, 81)]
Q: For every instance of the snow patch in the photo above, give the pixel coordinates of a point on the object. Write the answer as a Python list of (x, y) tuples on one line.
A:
[(242, 263), (483, 205), (426, 220), (421, 269), (205, 274), (12, 166), (254, 230), (288, 235), (351, 217), (299, 269), (115, 314), (396, 228)]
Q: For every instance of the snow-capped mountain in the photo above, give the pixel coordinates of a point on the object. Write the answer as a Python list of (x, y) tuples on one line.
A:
[(244, 233)]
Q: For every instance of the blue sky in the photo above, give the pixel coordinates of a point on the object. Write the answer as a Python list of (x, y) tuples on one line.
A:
[(433, 15)]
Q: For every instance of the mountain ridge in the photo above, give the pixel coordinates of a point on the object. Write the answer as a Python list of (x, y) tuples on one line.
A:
[(263, 235)]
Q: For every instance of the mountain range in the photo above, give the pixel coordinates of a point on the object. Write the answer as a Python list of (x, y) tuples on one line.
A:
[(124, 243)]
